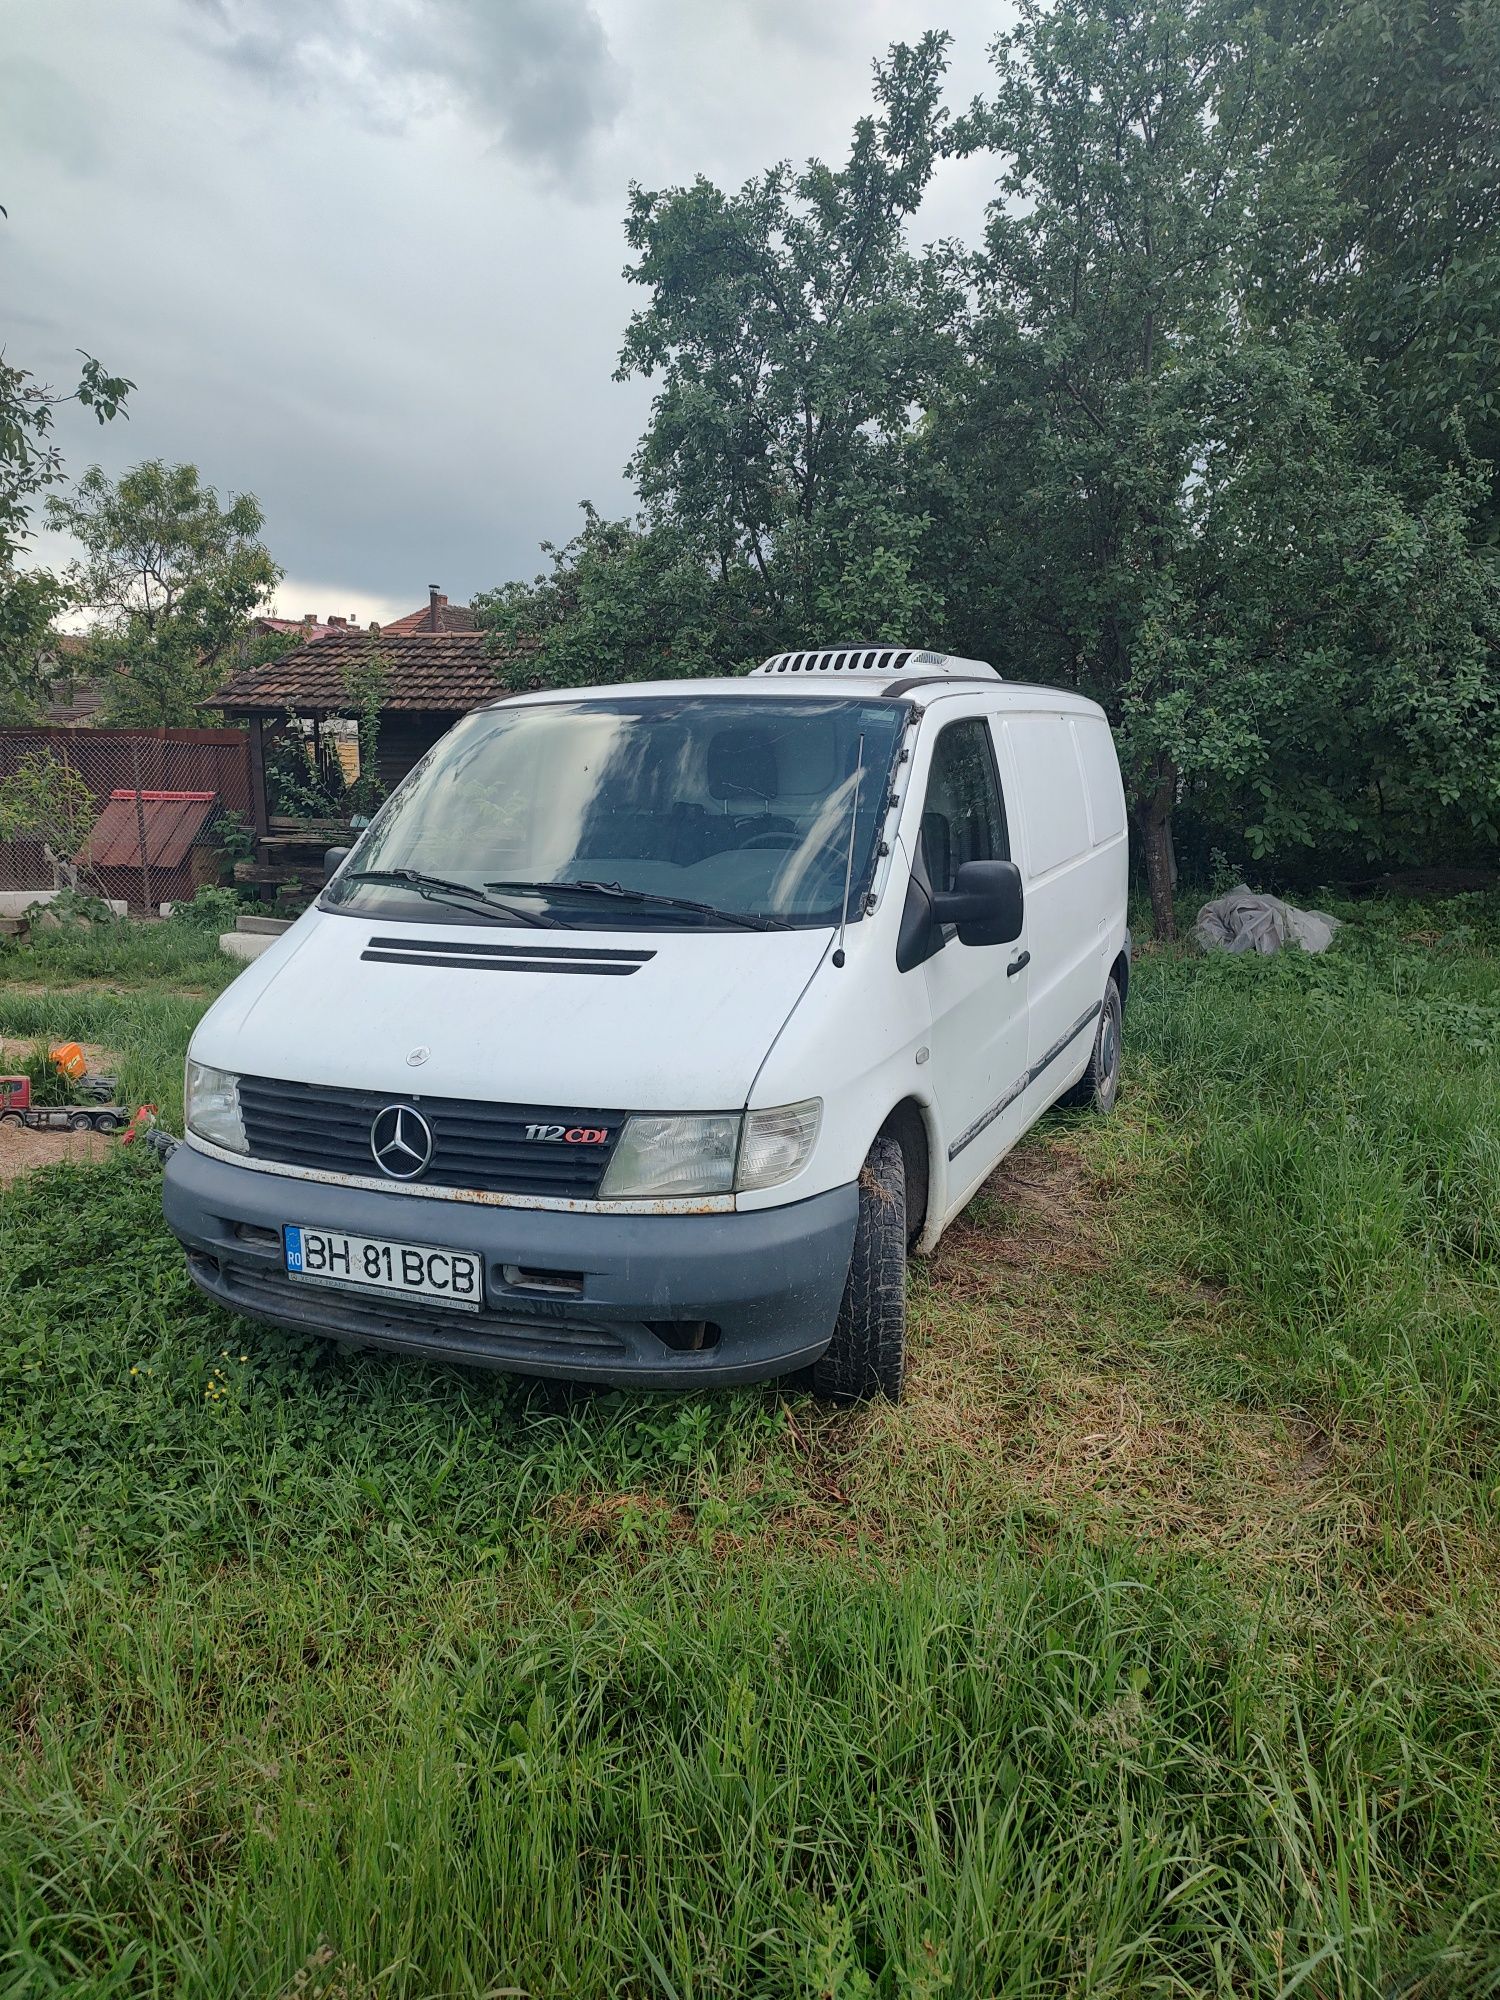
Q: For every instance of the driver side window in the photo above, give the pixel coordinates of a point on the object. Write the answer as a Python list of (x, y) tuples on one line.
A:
[(963, 818)]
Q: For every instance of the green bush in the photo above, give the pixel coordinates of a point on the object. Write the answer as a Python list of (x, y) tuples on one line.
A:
[(48, 1084), (211, 910)]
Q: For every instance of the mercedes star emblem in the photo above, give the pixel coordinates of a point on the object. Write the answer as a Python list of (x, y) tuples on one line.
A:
[(401, 1140), (418, 1056)]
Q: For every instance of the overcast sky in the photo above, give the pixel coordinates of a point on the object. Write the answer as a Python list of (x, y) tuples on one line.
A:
[(363, 257)]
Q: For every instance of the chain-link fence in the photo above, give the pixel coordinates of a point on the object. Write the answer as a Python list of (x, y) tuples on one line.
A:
[(122, 814)]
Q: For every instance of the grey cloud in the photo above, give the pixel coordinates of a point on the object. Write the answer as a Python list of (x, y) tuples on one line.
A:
[(41, 112), (819, 29), (536, 75)]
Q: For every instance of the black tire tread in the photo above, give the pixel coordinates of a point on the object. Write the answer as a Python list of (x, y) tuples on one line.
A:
[(867, 1355)]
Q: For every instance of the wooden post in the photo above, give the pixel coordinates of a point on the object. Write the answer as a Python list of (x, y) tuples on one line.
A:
[(140, 825), (259, 811)]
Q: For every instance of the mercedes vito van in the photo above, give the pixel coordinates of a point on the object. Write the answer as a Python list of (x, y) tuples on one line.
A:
[(648, 1028)]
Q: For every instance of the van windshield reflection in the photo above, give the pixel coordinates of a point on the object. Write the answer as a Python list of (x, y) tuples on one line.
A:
[(703, 811)]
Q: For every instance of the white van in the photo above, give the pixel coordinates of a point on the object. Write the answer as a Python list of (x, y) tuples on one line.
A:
[(648, 1027)]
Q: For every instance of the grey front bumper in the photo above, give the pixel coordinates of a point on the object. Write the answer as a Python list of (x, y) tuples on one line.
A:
[(766, 1283)]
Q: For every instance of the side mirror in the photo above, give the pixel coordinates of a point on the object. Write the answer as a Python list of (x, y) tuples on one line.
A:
[(333, 860), (986, 902)]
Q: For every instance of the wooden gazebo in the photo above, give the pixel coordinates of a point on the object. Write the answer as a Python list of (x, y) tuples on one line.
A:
[(432, 679)]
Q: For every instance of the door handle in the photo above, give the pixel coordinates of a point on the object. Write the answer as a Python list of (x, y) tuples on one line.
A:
[(1018, 965)]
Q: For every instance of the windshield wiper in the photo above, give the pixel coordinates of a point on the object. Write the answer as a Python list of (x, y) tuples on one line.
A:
[(437, 888), (618, 892)]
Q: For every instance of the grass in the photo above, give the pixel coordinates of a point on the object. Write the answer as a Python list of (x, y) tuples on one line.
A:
[(1150, 1647), (180, 953)]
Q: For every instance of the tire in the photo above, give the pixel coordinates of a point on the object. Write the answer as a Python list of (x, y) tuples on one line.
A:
[(867, 1355), (107, 1121), (1099, 1086), (11, 1118), (80, 1122)]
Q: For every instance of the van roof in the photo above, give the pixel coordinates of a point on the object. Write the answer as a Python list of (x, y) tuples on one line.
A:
[(1003, 696)]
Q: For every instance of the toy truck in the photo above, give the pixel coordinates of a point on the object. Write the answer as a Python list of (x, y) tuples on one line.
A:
[(69, 1060), (16, 1108)]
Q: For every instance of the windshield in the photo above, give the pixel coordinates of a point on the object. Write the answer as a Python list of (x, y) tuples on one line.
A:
[(636, 813)]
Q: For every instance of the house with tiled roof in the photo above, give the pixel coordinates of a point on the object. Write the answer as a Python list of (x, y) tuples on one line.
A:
[(308, 627), (438, 616), (437, 666)]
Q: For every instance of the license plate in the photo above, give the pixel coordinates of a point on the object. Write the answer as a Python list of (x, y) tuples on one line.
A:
[(371, 1264)]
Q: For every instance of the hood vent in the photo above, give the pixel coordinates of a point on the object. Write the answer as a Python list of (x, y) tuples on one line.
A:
[(863, 661), (481, 956)]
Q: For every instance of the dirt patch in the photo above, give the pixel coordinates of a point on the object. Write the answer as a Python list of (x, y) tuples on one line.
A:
[(22, 1152), (600, 1519), (1045, 1208)]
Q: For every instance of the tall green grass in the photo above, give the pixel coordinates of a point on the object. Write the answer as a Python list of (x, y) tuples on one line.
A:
[(1337, 1160), (124, 953), (332, 1674)]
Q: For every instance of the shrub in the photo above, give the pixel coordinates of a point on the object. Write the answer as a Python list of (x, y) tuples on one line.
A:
[(211, 910)]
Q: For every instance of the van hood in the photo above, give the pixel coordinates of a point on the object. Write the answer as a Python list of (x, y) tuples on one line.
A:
[(677, 1020)]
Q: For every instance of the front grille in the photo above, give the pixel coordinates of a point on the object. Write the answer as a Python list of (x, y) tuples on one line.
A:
[(475, 1145)]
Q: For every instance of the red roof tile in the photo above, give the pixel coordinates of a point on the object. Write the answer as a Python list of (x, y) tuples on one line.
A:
[(314, 629), (430, 673), (450, 618)]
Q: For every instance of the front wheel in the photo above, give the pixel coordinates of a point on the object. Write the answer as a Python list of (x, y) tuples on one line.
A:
[(867, 1355), (1099, 1085)]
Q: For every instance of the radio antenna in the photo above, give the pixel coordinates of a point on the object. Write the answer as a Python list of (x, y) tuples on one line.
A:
[(859, 773)]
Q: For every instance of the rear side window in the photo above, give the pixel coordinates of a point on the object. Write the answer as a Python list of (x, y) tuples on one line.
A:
[(1101, 772), (1057, 821), (963, 818)]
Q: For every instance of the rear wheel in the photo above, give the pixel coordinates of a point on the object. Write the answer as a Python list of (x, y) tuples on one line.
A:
[(80, 1122), (867, 1355), (1099, 1085), (107, 1121)]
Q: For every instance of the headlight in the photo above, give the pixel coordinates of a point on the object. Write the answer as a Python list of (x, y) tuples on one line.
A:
[(673, 1156), (776, 1143), (697, 1156), (211, 1107)]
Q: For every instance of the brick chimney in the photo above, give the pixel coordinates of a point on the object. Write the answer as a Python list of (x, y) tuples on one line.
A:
[(435, 603)]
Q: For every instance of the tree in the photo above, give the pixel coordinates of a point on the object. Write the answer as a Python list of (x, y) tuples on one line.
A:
[(794, 336), (622, 601), (1334, 626), (1386, 141), (1152, 535), (1123, 181), (174, 578), (30, 463), (46, 801)]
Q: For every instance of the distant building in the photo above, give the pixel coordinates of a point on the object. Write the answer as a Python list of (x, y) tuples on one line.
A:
[(439, 666), (439, 616), (309, 625), (74, 700)]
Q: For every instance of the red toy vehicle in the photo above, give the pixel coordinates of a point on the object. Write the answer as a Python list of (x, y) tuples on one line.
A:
[(16, 1108)]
